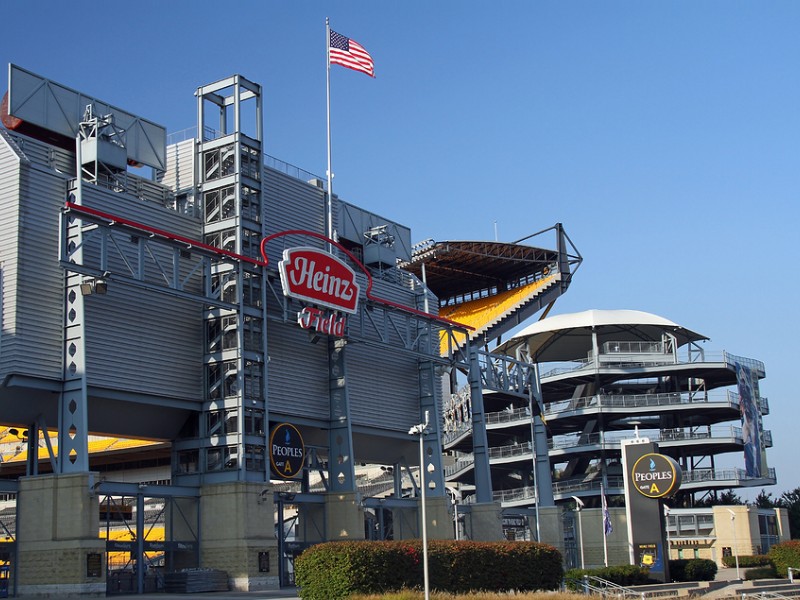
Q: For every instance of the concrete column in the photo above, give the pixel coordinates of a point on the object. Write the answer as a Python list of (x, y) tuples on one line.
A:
[(440, 519), (344, 516), (551, 527), (57, 537), (237, 525), (485, 522)]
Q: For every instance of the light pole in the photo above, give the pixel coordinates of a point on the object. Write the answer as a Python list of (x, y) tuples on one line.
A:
[(578, 506), (735, 545), (454, 495), (420, 430)]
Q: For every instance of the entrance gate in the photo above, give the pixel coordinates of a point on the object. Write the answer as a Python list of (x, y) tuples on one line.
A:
[(148, 534), (8, 540), (300, 524)]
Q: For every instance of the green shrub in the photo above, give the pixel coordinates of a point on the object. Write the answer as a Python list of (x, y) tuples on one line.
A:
[(335, 570), (677, 569), (701, 569), (746, 561), (785, 555), (766, 572)]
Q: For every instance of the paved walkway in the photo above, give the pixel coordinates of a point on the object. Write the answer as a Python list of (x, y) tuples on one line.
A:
[(286, 594)]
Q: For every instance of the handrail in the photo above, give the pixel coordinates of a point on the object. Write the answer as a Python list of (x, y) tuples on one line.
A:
[(507, 416), (606, 588), (630, 359), (765, 595), (636, 401), (614, 439), (510, 450), (690, 476)]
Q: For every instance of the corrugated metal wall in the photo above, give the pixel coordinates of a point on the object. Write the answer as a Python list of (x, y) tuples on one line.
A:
[(291, 204), (297, 372), (138, 339), (32, 280), (10, 167), (383, 384), (150, 343), (179, 174), (40, 279), (384, 389)]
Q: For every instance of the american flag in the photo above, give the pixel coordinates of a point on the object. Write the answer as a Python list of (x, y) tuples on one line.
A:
[(349, 53), (607, 527)]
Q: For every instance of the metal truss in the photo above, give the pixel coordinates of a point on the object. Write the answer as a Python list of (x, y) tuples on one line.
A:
[(148, 258)]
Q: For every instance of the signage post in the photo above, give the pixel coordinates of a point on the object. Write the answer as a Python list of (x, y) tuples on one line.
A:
[(649, 477)]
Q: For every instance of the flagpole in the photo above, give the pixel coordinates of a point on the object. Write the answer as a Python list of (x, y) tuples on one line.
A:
[(604, 510), (329, 197)]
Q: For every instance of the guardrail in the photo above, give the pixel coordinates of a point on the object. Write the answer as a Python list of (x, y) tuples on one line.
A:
[(651, 359), (721, 433)]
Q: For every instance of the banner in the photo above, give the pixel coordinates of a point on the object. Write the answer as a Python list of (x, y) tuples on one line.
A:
[(751, 419)]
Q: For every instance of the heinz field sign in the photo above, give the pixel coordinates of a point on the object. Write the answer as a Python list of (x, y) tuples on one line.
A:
[(319, 278)]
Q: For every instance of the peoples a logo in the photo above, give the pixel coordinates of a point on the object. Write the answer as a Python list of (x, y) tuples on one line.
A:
[(656, 475), (320, 278), (287, 451)]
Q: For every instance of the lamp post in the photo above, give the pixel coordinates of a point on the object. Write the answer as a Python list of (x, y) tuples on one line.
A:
[(454, 495), (420, 430), (578, 506), (735, 545)]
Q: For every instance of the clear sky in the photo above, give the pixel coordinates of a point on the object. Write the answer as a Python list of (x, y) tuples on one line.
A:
[(665, 136)]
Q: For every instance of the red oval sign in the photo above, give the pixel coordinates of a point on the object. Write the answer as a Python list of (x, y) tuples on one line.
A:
[(318, 277)]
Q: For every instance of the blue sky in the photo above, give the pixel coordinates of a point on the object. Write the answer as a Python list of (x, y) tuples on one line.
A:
[(664, 135)]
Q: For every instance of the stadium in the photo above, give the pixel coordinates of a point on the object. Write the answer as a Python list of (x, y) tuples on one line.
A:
[(218, 364)]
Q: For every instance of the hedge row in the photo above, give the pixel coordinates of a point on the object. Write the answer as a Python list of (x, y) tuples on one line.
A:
[(695, 569), (335, 570), (747, 561), (692, 569)]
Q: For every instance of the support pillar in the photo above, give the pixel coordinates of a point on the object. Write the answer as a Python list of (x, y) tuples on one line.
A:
[(59, 551), (485, 522), (344, 516), (238, 534), (440, 520)]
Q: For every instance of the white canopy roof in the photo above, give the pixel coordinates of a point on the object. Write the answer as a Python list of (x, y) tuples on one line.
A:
[(569, 336)]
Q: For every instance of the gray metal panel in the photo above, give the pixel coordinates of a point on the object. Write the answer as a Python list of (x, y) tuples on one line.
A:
[(129, 332), (354, 221), (44, 155), (297, 373), (132, 331), (10, 167), (291, 204), (385, 397), (38, 290), (48, 104), (144, 341), (179, 173)]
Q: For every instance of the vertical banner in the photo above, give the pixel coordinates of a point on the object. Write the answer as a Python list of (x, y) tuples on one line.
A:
[(751, 419)]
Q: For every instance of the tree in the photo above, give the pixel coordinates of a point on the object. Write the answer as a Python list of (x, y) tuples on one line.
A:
[(764, 500), (791, 502), (729, 497)]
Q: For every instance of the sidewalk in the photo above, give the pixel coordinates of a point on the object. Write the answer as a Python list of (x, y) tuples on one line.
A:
[(286, 594)]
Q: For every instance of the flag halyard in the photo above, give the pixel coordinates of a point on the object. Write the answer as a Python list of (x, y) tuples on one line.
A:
[(348, 53)]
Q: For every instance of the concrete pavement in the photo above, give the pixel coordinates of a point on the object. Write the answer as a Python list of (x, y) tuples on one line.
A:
[(285, 594)]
